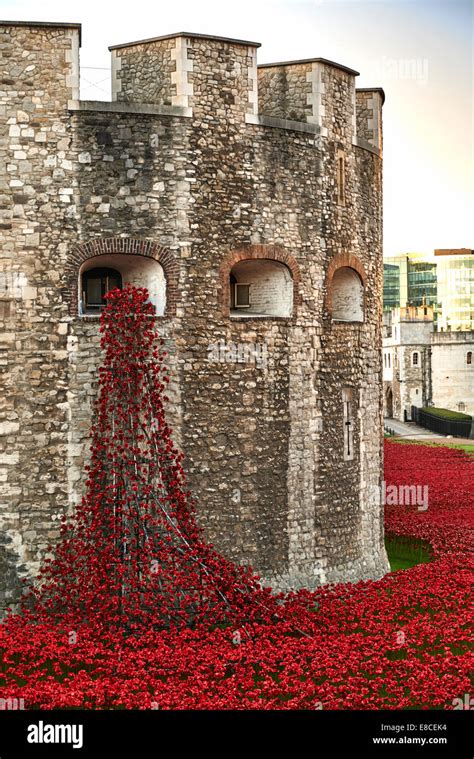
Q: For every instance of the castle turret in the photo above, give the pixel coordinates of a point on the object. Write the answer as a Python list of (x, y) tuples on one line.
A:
[(248, 202)]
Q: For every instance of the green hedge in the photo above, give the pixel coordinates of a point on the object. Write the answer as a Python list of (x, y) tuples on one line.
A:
[(444, 413)]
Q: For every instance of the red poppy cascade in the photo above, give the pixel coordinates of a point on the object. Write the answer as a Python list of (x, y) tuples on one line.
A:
[(132, 557)]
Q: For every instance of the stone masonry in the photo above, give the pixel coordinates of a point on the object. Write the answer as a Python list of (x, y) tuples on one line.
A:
[(184, 170)]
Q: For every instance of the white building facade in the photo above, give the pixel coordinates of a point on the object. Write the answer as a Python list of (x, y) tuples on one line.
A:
[(425, 368)]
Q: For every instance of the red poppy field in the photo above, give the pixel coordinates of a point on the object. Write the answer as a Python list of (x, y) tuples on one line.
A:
[(93, 635)]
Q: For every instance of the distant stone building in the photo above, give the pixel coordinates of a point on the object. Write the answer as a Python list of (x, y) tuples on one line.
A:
[(248, 200), (425, 368), (452, 370)]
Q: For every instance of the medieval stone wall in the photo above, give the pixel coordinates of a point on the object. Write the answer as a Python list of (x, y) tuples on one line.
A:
[(198, 185), (368, 119), (145, 72), (39, 74), (415, 375), (409, 381), (283, 91)]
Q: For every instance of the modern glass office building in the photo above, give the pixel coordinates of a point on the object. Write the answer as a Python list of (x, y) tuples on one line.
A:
[(455, 275), (409, 280), (444, 281), (422, 283), (391, 286)]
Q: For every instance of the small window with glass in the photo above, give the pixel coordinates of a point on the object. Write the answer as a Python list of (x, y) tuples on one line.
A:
[(96, 283)]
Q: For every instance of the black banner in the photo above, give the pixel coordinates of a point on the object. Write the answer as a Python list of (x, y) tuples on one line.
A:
[(136, 733)]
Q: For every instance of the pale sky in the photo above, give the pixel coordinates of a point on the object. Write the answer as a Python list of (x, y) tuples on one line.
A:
[(421, 53)]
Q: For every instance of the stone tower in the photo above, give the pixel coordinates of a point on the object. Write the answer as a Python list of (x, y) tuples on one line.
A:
[(248, 199)]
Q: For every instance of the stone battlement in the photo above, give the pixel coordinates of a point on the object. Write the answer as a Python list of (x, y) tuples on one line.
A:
[(453, 336), (412, 314), (207, 77)]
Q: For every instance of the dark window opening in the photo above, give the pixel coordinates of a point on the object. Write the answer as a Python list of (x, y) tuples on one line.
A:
[(96, 283), (232, 283), (242, 295), (239, 293), (340, 179), (348, 424)]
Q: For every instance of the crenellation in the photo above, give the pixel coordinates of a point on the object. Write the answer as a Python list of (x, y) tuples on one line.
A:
[(285, 92), (369, 104), (144, 73)]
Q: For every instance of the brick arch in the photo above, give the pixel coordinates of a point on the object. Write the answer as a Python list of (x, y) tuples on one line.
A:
[(126, 246), (252, 252), (340, 261)]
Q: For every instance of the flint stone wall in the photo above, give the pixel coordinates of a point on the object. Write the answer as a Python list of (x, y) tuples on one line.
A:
[(197, 189)]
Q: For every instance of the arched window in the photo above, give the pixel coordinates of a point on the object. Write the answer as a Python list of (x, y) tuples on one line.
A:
[(102, 273), (469, 358), (415, 359), (260, 287), (96, 283), (347, 295)]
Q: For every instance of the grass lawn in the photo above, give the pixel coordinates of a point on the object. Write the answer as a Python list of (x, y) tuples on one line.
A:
[(466, 447), (404, 553), (445, 413)]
